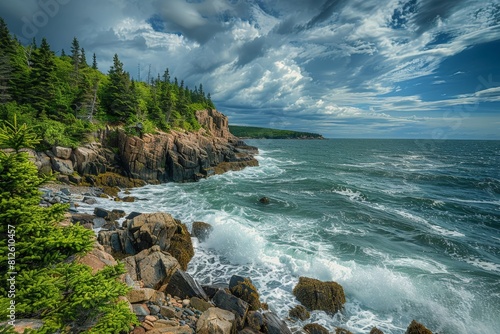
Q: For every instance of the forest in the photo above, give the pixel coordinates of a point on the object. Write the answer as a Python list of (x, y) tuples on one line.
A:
[(65, 97)]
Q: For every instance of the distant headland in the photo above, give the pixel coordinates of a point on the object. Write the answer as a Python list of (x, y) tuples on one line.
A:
[(253, 132)]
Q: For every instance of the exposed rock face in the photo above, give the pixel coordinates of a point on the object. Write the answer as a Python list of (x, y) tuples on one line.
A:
[(201, 230), (155, 158), (181, 284), (318, 295)]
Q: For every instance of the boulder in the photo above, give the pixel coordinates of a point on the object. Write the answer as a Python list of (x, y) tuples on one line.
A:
[(216, 321), (417, 328), (97, 259), (211, 290), (264, 200), (227, 301), (317, 295), (255, 320), (22, 325), (274, 325), (340, 330), (153, 266), (243, 288), (201, 230), (62, 152), (200, 304), (375, 330), (182, 285), (62, 166), (299, 312), (315, 329), (140, 295), (181, 246), (150, 229)]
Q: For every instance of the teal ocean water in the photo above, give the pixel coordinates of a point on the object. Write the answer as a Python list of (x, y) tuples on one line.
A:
[(410, 229)]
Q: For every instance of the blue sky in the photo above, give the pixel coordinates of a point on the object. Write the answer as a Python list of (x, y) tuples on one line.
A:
[(357, 68)]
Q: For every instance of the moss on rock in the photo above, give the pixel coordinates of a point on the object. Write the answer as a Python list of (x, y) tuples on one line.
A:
[(417, 328), (244, 289), (317, 295), (181, 246), (299, 312), (315, 329)]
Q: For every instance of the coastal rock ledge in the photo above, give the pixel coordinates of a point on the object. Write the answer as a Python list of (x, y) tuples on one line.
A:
[(177, 156)]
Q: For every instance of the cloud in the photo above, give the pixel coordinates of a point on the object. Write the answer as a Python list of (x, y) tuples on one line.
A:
[(301, 63)]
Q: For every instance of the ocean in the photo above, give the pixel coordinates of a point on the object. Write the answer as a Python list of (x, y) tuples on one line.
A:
[(409, 228)]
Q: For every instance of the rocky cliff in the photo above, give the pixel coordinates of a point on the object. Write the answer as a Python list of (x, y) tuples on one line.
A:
[(177, 156)]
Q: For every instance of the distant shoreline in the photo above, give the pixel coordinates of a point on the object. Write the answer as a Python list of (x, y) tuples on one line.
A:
[(252, 132)]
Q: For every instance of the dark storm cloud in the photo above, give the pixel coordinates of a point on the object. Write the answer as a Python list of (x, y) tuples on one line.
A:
[(251, 51), (293, 63)]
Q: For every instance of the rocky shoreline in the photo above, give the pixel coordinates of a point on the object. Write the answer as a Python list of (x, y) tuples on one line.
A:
[(156, 249)]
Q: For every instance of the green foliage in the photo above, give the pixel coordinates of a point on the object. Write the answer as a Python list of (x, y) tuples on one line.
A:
[(256, 132), (49, 284), (64, 97)]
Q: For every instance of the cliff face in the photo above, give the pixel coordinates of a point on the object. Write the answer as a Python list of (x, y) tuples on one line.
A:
[(155, 158)]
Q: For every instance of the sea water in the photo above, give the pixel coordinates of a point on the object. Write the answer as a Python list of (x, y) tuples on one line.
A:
[(409, 228)]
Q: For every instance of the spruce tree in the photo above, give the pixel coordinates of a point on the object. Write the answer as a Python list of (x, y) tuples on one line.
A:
[(43, 80), (116, 93), (94, 62), (38, 254)]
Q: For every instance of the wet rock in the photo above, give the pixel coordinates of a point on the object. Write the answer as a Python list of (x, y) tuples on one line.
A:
[(417, 328), (216, 321), (89, 200), (375, 330), (181, 246), (315, 329), (201, 230), (255, 320), (274, 325), (318, 295), (243, 288), (340, 330), (299, 312), (264, 200), (211, 290), (181, 284), (227, 301)]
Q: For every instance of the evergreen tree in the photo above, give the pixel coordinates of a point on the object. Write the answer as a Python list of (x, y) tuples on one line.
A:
[(115, 97), (49, 285), (94, 62), (83, 58), (43, 80), (6, 52), (63, 53)]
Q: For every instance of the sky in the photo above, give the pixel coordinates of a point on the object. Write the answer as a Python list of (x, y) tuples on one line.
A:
[(341, 68)]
